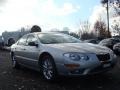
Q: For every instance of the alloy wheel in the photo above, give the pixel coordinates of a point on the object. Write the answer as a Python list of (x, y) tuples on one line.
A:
[(48, 70)]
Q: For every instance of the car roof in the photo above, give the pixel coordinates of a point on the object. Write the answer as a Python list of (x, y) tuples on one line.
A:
[(35, 33)]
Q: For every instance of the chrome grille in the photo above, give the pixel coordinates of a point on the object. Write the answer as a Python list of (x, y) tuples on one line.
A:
[(103, 57)]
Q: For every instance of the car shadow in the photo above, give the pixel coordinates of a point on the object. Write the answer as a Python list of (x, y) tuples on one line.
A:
[(86, 82)]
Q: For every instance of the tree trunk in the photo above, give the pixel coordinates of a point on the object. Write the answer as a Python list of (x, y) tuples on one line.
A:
[(108, 18)]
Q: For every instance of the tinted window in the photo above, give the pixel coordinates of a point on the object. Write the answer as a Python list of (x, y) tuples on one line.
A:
[(115, 41), (31, 38), (51, 38), (22, 41), (93, 41)]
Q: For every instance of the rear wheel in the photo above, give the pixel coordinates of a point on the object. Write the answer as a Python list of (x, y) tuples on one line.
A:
[(48, 68), (14, 62)]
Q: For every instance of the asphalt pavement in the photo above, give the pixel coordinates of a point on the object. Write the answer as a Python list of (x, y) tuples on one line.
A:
[(26, 79)]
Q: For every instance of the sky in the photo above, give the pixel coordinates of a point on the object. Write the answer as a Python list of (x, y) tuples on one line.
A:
[(48, 14)]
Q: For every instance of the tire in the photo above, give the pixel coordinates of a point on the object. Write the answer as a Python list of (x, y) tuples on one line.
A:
[(15, 64), (117, 52), (48, 67)]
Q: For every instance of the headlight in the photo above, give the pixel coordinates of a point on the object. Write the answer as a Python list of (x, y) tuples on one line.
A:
[(76, 56)]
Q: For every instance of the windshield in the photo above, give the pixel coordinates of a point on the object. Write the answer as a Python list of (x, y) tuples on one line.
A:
[(53, 38)]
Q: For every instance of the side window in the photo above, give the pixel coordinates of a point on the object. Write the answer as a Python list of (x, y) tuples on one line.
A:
[(31, 38), (93, 41), (105, 41), (22, 41)]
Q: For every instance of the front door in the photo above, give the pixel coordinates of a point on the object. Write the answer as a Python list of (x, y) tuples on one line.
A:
[(20, 50), (32, 52)]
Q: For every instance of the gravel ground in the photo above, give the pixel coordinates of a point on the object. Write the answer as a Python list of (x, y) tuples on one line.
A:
[(26, 79)]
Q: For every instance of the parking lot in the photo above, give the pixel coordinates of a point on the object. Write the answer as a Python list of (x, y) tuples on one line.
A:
[(26, 79)]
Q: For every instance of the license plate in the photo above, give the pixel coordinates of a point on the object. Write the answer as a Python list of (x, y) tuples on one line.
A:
[(106, 65)]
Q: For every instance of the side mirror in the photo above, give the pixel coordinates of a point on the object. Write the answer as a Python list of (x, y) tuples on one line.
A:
[(32, 44)]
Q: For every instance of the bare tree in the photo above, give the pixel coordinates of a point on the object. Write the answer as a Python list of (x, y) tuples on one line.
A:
[(74, 34), (106, 4), (65, 29), (87, 35), (84, 26), (101, 29), (116, 26), (115, 4)]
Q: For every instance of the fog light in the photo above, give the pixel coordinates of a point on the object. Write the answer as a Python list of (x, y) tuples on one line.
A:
[(79, 71), (72, 66)]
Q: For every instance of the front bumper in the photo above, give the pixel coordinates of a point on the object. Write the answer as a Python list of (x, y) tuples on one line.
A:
[(93, 69)]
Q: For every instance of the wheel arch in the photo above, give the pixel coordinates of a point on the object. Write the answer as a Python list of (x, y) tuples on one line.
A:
[(11, 53), (44, 54), (53, 62)]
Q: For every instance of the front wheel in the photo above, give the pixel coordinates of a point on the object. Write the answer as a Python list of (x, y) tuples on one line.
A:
[(48, 68)]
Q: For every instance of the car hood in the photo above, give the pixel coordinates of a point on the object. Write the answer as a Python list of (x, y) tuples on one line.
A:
[(79, 47)]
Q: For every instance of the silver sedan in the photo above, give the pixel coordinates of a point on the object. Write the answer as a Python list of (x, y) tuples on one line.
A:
[(59, 54)]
